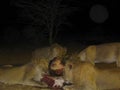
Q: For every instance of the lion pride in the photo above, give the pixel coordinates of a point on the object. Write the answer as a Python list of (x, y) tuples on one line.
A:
[(105, 53), (28, 74)]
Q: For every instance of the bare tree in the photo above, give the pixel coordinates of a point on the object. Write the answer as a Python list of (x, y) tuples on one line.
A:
[(50, 14)]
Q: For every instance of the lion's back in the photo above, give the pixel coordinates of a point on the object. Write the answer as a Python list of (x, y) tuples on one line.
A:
[(107, 52), (12, 75)]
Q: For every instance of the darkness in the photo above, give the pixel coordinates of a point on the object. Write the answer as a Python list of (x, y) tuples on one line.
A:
[(82, 28)]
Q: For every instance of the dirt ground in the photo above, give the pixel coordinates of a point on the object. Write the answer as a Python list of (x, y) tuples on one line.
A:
[(20, 87)]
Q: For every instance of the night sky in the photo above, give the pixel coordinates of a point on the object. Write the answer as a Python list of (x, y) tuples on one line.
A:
[(82, 29)]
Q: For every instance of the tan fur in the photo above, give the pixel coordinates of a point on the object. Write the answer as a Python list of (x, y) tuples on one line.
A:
[(85, 76), (106, 53), (55, 50), (28, 74), (31, 73)]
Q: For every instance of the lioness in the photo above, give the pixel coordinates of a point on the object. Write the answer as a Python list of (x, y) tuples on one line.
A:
[(36, 73), (86, 76), (55, 50), (28, 74), (106, 53)]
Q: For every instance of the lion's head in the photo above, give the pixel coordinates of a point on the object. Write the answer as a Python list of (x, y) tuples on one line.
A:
[(56, 67)]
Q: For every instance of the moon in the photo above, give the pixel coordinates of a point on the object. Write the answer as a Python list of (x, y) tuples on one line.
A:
[(98, 13)]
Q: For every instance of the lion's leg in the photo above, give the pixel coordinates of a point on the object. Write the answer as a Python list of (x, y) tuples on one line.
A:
[(28, 75), (33, 80), (88, 78), (89, 85)]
